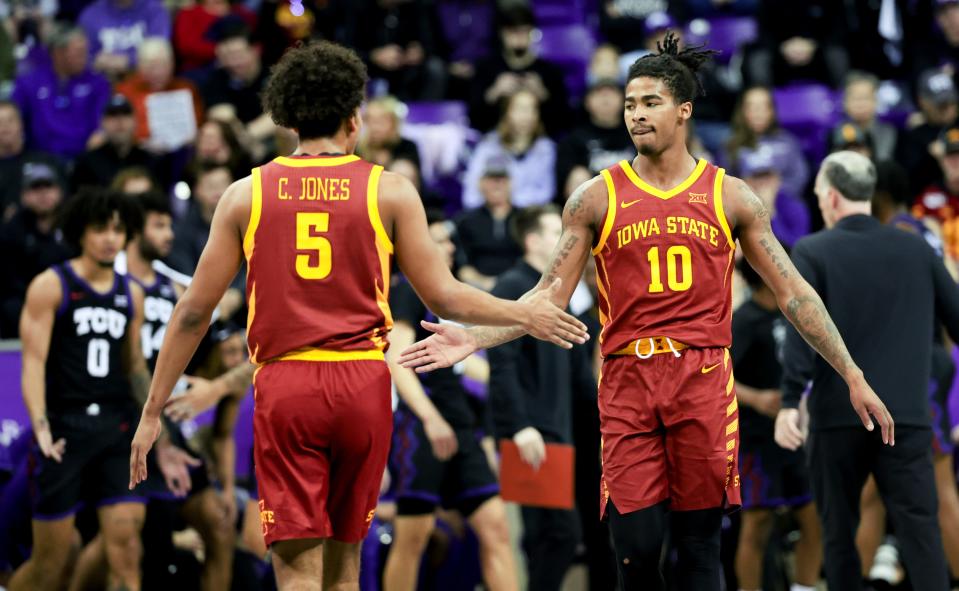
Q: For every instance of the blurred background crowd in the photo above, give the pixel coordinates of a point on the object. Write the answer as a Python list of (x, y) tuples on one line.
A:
[(488, 107)]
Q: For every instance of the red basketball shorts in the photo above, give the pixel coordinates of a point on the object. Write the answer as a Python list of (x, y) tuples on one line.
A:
[(321, 438), (670, 430)]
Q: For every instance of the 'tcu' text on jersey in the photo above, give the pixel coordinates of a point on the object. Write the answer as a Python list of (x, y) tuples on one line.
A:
[(100, 321)]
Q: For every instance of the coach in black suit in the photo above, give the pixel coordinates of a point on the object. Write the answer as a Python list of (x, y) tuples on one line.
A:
[(884, 288)]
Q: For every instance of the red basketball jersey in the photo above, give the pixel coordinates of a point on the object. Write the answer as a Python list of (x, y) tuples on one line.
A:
[(664, 260), (318, 261)]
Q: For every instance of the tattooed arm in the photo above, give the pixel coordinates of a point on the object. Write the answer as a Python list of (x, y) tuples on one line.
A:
[(583, 217), (798, 300)]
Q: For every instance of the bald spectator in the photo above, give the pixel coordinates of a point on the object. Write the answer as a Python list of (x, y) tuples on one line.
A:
[(154, 74), (62, 102), (29, 241), (13, 155), (116, 27)]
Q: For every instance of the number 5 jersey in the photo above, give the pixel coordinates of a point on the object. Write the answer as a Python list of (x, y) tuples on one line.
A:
[(664, 260), (318, 261)]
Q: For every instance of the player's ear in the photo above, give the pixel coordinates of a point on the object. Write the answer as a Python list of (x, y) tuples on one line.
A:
[(686, 110)]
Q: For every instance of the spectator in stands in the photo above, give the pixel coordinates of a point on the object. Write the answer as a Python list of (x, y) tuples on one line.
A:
[(788, 214), (518, 67), (194, 47), (940, 49), (217, 142), (62, 102), (940, 200), (232, 91), (411, 170), (799, 41), (98, 166), (13, 156), (30, 241), (134, 181), (938, 108), (468, 33), (755, 125), (619, 20), (849, 136), (193, 230), (116, 28), (155, 74), (604, 64), (380, 141), (483, 233), (521, 139), (859, 105), (396, 39), (884, 37), (599, 143), (278, 28)]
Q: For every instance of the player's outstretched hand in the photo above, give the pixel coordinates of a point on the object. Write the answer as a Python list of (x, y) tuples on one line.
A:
[(442, 438), (449, 344), (201, 395), (788, 434), (550, 323), (175, 464), (865, 402), (49, 448), (147, 432)]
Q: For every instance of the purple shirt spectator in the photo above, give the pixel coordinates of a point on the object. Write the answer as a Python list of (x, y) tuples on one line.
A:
[(61, 103), (790, 216), (787, 157), (119, 26)]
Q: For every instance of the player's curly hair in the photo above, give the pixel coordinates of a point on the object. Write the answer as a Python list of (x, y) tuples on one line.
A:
[(314, 88), (96, 206), (675, 67)]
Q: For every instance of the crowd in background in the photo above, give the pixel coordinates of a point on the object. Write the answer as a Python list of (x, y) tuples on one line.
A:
[(489, 108)]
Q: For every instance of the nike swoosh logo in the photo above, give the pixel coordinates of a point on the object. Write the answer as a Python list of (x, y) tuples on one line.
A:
[(625, 204), (709, 369)]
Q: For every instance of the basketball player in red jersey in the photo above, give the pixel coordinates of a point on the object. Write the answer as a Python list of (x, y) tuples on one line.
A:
[(663, 232), (318, 230)]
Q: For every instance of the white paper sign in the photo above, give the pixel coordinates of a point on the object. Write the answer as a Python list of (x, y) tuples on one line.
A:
[(171, 118)]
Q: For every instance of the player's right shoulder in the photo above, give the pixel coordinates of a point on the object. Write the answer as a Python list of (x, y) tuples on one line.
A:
[(45, 290), (588, 203)]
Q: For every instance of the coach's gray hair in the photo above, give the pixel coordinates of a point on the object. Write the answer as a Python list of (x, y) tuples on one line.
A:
[(851, 174)]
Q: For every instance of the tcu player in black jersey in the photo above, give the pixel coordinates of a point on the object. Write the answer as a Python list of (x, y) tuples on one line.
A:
[(202, 508), (80, 332)]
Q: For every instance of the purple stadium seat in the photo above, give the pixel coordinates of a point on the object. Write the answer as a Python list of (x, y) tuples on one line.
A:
[(468, 27), (438, 112), (569, 46), (559, 12), (724, 34), (809, 111)]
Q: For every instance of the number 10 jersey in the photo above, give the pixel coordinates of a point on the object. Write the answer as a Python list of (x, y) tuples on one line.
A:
[(664, 260), (318, 261)]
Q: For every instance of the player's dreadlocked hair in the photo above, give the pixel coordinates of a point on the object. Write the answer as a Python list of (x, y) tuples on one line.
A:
[(675, 67)]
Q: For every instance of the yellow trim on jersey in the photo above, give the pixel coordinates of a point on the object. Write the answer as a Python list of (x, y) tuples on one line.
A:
[(610, 212), (732, 407), (718, 202), (373, 209), (250, 314), (310, 354), (318, 161), (256, 210), (643, 185)]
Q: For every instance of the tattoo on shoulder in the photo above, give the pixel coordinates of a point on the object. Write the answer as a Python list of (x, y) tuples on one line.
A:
[(751, 200)]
